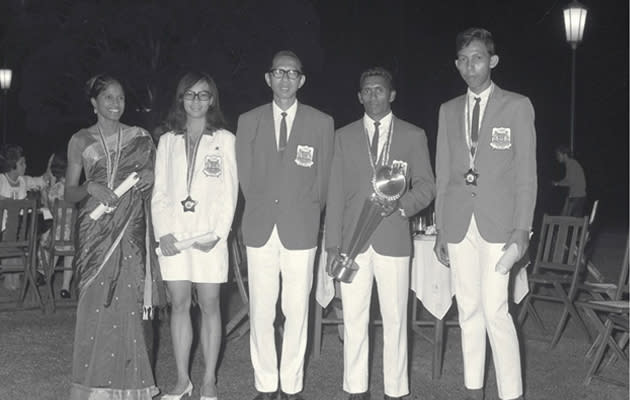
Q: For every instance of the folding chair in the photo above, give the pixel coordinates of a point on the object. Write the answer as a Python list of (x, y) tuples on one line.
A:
[(614, 314), (243, 312), (558, 268), (61, 244), (591, 268), (18, 243), (439, 334)]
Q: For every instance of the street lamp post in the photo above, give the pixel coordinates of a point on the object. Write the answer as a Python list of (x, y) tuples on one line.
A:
[(574, 21), (5, 84)]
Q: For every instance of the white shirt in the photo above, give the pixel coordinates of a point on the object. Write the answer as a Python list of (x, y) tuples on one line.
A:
[(277, 119), (383, 129), (24, 184)]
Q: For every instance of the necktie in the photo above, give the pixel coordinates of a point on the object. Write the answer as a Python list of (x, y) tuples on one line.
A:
[(374, 146), (282, 143), (474, 126)]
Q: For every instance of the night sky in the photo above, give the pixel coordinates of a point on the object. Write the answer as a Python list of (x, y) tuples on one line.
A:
[(53, 46)]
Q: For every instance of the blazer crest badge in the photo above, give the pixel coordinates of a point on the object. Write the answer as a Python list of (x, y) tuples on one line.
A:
[(213, 165), (304, 155), (501, 138)]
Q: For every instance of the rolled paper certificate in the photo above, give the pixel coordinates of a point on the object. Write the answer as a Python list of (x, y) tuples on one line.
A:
[(507, 260), (187, 243), (124, 186)]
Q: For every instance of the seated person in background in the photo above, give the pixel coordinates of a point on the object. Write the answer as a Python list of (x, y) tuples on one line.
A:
[(574, 180), (15, 185), (54, 191)]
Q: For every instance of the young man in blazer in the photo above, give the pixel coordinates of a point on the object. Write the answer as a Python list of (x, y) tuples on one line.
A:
[(283, 154), (378, 135), (486, 193)]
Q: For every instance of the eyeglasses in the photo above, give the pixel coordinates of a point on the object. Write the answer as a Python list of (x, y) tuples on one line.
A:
[(204, 95), (292, 74), (368, 91)]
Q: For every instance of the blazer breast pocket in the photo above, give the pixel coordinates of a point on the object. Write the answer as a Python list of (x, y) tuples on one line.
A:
[(213, 165), (305, 156), (501, 138)]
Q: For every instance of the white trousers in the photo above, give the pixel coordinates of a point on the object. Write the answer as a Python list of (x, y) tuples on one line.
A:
[(482, 303), (266, 265), (392, 282)]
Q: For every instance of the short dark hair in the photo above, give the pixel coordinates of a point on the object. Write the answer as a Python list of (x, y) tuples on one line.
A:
[(10, 154), (176, 119), (563, 149), (96, 84), (464, 38), (377, 71), (287, 53)]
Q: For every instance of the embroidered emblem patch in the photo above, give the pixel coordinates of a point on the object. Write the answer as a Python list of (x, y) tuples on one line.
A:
[(501, 138), (304, 156), (213, 165)]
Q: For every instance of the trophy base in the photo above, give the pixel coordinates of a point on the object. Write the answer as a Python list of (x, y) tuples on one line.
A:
[(344, 269)]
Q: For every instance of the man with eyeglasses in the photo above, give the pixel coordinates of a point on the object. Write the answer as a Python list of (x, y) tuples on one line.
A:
[(377, 139), (283, 154)]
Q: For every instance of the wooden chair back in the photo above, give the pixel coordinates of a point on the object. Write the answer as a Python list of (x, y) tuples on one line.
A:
[(62, 241), (18, 242), (561, 244)]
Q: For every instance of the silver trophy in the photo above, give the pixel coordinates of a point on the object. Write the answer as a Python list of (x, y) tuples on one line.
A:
[(388, 184)]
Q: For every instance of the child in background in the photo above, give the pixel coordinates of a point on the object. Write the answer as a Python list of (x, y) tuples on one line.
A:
[(15, 185)]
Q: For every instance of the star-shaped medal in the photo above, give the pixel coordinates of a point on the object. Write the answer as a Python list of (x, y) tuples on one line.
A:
[(471, 177), (189, 204)]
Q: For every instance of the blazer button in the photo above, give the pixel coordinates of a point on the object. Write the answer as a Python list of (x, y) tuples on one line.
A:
[(276, 201), (473, 194)]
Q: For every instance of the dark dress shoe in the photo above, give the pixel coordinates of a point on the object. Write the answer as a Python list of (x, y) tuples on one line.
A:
[(65, 294), (286, 396), (391, 398), (359, 396), (266, 396)]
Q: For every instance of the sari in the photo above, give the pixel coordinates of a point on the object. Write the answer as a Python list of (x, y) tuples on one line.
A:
[(116, 280)]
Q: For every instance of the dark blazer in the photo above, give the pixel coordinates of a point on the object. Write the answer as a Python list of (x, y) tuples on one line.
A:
[(505, 195), (351, 183), (288, 191)]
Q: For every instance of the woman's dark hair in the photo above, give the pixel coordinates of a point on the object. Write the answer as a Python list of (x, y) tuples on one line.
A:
[(10, 154), (58, 165), (176, 119), (96, 84)]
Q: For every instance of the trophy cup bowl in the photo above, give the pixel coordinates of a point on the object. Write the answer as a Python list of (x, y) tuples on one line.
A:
[(388, 184)]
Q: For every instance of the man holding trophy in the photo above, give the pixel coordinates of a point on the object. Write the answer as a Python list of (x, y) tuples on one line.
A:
[(380, 176)]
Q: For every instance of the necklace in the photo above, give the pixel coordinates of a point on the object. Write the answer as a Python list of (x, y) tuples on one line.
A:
[(112, 166), (12, 182), (188, 203)]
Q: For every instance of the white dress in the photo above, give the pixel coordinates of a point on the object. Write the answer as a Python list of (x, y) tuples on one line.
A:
[(214, 186)]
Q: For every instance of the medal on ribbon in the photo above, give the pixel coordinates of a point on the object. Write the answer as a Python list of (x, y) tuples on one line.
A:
[(111, 165), (188, 203), (471, 177)]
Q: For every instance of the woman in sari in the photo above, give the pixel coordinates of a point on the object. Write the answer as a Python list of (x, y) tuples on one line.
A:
[(110, 359)]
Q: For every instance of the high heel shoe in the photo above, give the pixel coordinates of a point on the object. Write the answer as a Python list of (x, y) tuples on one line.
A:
[(204, 397), (186, 392)]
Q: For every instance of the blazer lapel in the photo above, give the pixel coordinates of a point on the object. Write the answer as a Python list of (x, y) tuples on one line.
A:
[(491, 109), (297, 129), (460, 129), (266, 134)]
